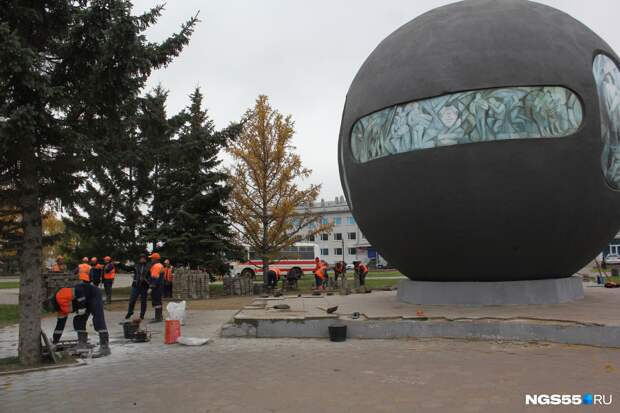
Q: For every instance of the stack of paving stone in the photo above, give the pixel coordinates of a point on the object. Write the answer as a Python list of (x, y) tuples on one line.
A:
[(53, 281), (190, 284), (240, 285)]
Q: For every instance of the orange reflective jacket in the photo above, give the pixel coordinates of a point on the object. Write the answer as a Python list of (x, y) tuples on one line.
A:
[(109, 272), (58, 268), (278, 272), (84, 272), (156, 269), (168, 274), (319, 270), (64, 298)]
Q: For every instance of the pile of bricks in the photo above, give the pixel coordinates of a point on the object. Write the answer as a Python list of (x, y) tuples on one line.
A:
[(53, 281), (190, 284), (240, 285)]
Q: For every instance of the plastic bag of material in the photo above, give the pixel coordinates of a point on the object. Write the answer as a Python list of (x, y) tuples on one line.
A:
[(176, 311), (192, 341)]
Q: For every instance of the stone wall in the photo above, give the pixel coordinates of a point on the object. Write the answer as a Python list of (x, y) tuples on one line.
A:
[(240, 285), (190, 284), (53, 281)]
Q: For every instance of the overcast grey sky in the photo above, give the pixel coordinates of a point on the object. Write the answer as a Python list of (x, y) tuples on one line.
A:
[(303, 55)]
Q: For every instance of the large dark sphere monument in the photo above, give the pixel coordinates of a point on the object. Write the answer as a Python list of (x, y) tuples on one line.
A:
[(478, 143)]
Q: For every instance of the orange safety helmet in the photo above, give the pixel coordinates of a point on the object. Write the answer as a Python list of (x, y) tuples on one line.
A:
[(155, 256), (85, 259), (107, 259)]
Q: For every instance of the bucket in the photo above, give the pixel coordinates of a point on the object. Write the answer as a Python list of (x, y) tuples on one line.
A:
[(337, 333), (173, 331), (129, 329)]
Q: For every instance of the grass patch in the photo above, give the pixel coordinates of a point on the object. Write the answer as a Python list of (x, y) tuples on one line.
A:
[(9, 284), (216, 289), (8, 314), (386, 273)]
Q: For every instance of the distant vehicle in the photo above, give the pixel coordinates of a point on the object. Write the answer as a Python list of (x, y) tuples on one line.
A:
[(350, 266), (612, 259), (298, 259)]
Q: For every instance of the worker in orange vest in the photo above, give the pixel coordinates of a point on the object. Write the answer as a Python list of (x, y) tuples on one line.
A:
[(155, 277), (319, 273), (272, 280), (362, 271), (59, 266), (83, 271), (278, 273), (109, 273), (168, 276), (95, 271), (83, 299)]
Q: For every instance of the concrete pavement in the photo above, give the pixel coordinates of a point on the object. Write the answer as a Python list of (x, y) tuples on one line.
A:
[(297, 375)]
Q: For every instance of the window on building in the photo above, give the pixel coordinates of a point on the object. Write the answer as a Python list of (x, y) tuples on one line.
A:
[(352, 251), (337, 251), (324, 251), (351, 235), (310, 237), (338, 236), (324, 237), (294, 252), (351, 220), (324, 221), (337, 220)]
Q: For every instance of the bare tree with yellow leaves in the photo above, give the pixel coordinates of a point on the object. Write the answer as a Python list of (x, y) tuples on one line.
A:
[(266, 197)]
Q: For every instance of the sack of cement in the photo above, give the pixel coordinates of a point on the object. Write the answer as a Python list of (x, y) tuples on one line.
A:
[(176, 311), (192, 341)]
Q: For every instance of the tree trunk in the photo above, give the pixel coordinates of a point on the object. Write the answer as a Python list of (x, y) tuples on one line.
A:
[(30, 285), (265, 239)]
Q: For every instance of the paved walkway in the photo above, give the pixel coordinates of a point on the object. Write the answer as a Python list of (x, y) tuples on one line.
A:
[(292, 375), (312, 375), (599, 306)]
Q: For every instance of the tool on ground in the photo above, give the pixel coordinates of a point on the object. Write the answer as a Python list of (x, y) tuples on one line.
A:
[(329, 310), (141, 336)]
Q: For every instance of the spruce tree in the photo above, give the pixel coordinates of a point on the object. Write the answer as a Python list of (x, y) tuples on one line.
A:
[(193, 227), (70, 76)]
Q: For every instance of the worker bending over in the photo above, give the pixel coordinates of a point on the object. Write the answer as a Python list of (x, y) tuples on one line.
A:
[(156, 276), (83, 299), (109, 273), (362, 271)]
